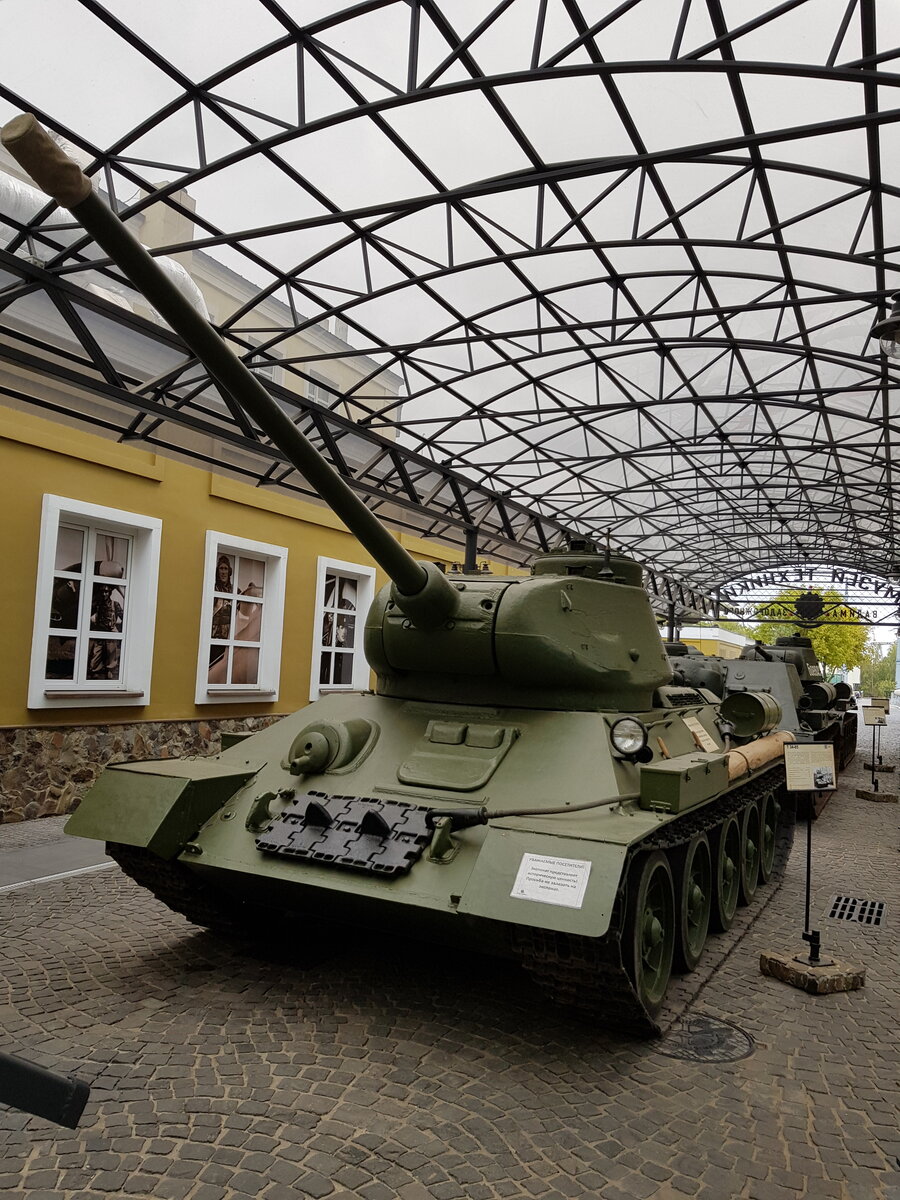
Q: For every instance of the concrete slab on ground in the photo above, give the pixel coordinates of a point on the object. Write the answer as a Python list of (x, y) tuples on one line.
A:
[(49, 859)]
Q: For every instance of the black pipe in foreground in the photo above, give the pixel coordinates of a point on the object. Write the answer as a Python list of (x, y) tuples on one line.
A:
[(61, 1099)]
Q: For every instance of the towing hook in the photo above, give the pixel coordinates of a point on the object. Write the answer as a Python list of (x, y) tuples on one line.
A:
[(460, 818)]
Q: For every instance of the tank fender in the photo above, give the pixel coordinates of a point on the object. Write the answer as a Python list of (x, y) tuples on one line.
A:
[(561, 883), (158, 805)]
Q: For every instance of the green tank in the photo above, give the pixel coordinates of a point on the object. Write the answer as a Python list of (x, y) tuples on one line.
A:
[(783, 678), (828, 710), (524, 779)]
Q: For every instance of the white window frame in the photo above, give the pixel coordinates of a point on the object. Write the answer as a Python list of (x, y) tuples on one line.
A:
[(266, 687), (320, 389), (365, 577), (133, 685), (261, 364)]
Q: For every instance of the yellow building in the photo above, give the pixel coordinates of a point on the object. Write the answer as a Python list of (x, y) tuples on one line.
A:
[(153, 605), (713, 640)]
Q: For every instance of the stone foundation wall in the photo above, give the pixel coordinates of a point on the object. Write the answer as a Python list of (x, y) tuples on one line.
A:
[(45, 772)]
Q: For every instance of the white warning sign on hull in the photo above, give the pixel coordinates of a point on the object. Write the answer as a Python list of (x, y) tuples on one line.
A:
[(552, 880)]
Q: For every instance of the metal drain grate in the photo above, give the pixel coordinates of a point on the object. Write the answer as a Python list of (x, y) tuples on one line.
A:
[(851, 908), (707, 1039)]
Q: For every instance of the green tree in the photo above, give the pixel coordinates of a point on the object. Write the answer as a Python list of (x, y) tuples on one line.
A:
[(837, 647), (878, 669)]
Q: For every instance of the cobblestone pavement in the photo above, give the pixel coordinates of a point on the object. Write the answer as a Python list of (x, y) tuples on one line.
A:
[(383, 1071)]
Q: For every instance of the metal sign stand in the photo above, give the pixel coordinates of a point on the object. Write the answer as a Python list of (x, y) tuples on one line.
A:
[(811, 935), (811, 973), (875, 715), (876, 762)]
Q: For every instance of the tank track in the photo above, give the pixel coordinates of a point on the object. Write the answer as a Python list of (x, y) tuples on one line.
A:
[(849, 738), (181, 891), (588, 974)]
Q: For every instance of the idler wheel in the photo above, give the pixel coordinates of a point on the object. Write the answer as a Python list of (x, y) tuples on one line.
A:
[(750, 852), (650, 929), (728, 874), (769, 810), (695, 889)]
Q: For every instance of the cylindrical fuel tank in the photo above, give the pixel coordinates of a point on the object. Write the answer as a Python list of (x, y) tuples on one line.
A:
[(750, 713), (822, 694)]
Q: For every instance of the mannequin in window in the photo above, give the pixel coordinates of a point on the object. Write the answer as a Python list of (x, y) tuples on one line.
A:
[(221, 616)]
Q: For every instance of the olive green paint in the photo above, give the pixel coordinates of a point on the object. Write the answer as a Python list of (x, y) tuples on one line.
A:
[(674, 785), (159, 805)]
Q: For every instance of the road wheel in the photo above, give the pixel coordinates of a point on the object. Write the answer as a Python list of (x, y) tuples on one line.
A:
[(695, 890), (727, 875), (650, 929), (750, 853), (768, 820)]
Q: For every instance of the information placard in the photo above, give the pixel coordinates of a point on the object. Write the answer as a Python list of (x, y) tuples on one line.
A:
[(702, 739), (551, 880), (874, 716), (882, 702), (809, 766)]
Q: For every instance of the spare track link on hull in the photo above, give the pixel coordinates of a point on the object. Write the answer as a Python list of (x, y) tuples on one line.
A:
[(589, 974)]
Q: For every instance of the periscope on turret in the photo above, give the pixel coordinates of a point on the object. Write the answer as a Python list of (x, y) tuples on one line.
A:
[(525, 777)]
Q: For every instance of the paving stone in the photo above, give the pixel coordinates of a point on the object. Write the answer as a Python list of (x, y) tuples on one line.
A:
[(209, 1191), (247, 1183), (313, 1184), (139, 1185), (278, 1191), (173, 1189), (110, 1181)]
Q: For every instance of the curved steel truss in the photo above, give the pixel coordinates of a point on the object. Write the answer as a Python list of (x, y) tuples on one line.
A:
[(624, 258)]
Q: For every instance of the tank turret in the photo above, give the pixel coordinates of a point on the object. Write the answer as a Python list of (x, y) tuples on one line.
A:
[(578, 633), (523, 779)]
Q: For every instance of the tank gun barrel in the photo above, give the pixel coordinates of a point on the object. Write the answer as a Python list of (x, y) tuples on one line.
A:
[(420, 590)]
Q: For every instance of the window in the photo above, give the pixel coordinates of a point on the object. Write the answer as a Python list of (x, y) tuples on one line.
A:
[(344, 592), (241, 620), (320, 389), (95, 608), (263, 366)]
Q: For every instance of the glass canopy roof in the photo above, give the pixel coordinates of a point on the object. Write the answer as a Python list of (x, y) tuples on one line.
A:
[(624, 257)]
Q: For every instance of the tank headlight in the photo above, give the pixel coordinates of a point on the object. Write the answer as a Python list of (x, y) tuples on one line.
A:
[(629, 736)]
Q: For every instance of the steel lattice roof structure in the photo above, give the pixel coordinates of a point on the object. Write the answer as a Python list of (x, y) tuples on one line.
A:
[(625, 257)]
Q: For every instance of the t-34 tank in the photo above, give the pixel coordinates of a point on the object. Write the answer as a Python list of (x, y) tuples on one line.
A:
[(523, 779)]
